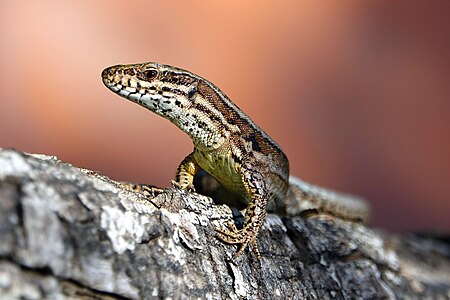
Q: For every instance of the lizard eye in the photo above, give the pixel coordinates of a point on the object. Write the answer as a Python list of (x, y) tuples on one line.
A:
[(150, 74)]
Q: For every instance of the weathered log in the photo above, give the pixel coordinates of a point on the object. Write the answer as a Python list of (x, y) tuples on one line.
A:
[(69, 232)]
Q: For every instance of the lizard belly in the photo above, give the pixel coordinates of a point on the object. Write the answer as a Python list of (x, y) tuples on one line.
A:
[(224, 169)]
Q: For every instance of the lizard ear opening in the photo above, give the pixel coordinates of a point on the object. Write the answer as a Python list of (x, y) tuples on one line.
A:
[(192, 91), (150, 74)]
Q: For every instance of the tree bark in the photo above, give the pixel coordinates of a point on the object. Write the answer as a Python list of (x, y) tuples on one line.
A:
[(67, 232)]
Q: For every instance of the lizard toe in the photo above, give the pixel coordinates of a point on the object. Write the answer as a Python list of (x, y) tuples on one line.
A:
[(183, 186), (235, 236)]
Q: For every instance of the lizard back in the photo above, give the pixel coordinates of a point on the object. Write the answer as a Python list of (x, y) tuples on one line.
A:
[(224, 137)]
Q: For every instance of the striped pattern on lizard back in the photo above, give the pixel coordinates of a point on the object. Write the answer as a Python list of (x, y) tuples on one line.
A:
[(227, 144)]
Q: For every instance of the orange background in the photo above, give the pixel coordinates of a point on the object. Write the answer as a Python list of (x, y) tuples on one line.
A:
[(355, 92)]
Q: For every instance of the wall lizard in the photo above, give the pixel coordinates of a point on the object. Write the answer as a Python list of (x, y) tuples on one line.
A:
[(228, 146)]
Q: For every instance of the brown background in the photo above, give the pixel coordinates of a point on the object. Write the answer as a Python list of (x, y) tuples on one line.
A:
[(355, 92)]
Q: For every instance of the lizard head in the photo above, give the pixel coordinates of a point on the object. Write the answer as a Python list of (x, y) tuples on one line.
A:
[(173, 93), (162, 89)]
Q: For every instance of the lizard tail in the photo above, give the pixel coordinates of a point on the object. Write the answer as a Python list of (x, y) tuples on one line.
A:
[(304, 198)]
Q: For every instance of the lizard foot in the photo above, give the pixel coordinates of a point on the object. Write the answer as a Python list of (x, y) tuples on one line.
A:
[(244, 237), (184, 186)]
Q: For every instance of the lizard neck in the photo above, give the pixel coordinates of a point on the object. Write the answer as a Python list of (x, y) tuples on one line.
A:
[(196, 106), (200, 127)]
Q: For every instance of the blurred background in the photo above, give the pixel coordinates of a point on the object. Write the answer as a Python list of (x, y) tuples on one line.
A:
[(357, 93)]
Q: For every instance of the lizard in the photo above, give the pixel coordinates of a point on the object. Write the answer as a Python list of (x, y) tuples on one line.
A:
[(229, 146)]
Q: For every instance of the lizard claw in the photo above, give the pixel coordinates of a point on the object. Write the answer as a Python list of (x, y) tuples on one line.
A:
[(236, 236), (180, 185)]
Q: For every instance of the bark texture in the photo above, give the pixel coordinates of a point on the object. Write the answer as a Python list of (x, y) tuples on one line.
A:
[(67, 232)]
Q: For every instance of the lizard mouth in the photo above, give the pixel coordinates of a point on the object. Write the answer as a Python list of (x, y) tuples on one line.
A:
[(108, 75), (112, 79), (123, 82)]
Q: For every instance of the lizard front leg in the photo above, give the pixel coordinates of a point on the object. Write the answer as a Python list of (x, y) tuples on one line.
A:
[(255, 213), (186, 171), (184, 179)]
